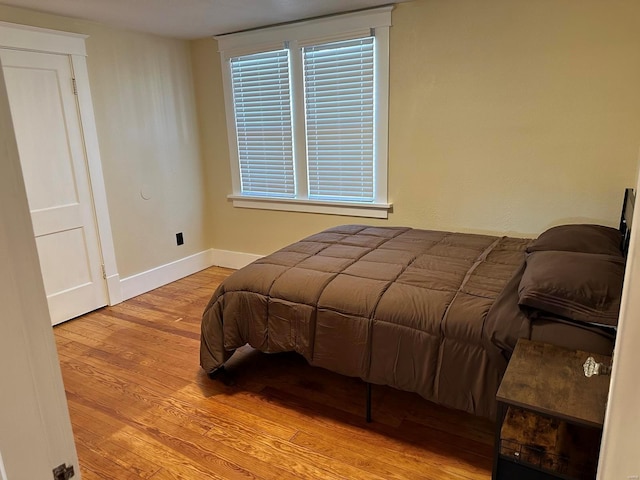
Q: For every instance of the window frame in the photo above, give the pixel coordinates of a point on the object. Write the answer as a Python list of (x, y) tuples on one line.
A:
[(295, 36)]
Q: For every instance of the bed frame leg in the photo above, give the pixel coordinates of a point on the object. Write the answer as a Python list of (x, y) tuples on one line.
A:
[(368, 414), (222, 374)]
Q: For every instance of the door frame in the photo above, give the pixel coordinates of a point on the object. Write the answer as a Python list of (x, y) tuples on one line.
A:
[(24, 37)]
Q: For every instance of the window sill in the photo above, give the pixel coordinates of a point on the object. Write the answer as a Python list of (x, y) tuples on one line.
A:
[(370, 210)]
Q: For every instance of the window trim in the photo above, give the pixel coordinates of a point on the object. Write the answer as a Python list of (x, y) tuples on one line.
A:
[(297, 35), (360, 209)]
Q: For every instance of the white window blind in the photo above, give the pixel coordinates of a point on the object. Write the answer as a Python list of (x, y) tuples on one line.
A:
[(339, 104), (262, 103)]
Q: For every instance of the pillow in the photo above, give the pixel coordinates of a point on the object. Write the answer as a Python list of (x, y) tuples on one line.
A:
[(579, 286), (579, 238)]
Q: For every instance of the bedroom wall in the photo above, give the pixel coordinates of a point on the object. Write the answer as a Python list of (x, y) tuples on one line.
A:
[(505, 117), (144, 104)]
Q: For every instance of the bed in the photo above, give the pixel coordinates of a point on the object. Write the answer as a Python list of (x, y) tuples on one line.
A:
[(436, 313)]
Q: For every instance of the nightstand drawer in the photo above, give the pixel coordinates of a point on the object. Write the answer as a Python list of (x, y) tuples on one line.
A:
[(549, 444)]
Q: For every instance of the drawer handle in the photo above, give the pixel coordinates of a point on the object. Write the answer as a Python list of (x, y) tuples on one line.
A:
[(591, 368)]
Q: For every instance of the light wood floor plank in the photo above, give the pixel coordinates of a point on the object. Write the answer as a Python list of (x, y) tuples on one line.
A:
[(142, 409)]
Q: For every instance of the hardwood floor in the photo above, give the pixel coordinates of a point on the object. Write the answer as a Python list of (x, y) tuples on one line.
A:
[(142, 408)]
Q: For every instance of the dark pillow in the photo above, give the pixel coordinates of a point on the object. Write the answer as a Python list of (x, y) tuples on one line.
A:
[(579, 238), (580, 286)]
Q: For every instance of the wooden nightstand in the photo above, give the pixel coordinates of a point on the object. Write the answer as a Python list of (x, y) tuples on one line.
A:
[(550, 414)]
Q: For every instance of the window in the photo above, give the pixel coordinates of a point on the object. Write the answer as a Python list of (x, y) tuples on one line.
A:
[(262, 107), (339, 114), (306, 112)]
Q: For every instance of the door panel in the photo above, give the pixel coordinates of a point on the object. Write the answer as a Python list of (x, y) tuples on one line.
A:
[(39, 120), (52, 155)]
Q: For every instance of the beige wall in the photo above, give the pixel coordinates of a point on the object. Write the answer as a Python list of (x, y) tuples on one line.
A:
[(144, 104), (505, 116)]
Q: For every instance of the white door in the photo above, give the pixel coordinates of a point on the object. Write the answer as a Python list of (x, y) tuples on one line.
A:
[(52, 154), (35, 430)]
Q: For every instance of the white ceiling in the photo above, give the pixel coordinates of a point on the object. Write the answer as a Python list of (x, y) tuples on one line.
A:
[(193, 18)]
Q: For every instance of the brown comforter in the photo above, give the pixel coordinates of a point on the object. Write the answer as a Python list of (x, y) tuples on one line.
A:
[(395, 306)]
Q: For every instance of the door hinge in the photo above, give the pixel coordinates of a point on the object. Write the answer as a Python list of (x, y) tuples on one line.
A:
[(62, 472), (104, 272), (75, 86)]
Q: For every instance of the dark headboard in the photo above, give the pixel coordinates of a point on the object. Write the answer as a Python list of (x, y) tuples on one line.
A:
[(627, 217)]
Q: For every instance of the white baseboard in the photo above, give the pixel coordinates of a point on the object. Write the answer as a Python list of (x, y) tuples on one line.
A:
[(157, 277), (230, 259), (114, 289)]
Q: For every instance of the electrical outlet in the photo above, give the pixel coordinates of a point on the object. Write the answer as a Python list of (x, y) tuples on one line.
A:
[(179, 238)]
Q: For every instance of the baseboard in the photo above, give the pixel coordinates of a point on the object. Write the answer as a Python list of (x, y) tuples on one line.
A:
[(157, 277), (230, 259), (114, 289)]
